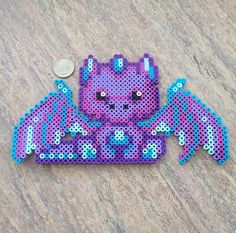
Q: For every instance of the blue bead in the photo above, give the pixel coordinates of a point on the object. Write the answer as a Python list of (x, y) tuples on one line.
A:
[(182, 161)]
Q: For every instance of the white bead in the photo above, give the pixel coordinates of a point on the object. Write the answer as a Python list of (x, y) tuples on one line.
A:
[(103, 93), (139, 93)]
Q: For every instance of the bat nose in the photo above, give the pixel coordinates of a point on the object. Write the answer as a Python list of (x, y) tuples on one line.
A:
[(118, 106), (125, 106), (112, 106)]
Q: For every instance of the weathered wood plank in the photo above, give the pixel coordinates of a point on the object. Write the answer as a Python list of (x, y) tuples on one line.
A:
[(195, 39)]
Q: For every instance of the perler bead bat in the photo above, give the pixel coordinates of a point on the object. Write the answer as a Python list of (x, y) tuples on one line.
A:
[(119, 119)]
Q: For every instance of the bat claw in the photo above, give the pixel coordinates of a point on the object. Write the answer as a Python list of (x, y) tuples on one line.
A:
[(63, 88), (175, 87)]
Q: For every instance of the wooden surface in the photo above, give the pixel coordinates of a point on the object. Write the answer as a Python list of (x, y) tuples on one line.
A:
[(196, 39)]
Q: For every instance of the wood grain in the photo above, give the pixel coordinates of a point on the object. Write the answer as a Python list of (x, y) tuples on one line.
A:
[(196, 39)]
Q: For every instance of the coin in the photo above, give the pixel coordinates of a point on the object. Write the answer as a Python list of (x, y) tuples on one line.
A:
[(63, 67)]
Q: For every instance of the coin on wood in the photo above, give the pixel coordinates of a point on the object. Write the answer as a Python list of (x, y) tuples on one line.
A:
[(63, 67)]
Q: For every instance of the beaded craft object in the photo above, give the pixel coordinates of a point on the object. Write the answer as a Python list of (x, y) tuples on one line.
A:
[(119, 119)]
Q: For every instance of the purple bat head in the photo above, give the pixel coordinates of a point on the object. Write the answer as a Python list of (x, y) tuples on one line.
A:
[(119, 90)]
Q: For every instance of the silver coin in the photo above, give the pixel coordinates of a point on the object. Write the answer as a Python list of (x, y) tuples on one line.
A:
[(63, 67)]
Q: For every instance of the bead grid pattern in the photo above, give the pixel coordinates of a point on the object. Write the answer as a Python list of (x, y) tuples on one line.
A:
[(119, 119), (192, 122)]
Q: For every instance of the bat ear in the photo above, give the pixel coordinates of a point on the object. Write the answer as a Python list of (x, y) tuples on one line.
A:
[(148, 68), (88, 70), (118, 62)]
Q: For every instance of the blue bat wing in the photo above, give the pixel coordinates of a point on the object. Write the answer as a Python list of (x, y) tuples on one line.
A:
[(48, 122), (192, 122)]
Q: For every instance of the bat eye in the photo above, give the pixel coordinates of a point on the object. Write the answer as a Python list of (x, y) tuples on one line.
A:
[(101, 96), (136, 95)]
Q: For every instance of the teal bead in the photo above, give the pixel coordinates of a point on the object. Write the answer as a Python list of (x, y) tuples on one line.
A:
[(182, 161)]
